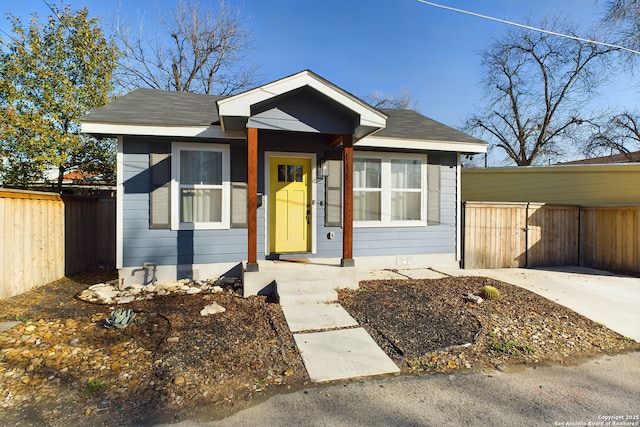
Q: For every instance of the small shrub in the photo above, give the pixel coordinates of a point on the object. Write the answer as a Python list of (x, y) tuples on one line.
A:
[(510, 347), (93, 387)]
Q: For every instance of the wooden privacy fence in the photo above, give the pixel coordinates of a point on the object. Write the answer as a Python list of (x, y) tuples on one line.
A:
[(44, 236), (31, 240), (498, 235), (90, 233)]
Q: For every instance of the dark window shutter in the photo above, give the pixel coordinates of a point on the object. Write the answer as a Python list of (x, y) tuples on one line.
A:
[(239, 204), (433, 190), (333, 194), (160, 215)]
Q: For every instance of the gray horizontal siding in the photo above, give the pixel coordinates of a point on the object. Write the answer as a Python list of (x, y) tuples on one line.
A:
[(166, 247), (432, 239), (171, 247), (403, 240)]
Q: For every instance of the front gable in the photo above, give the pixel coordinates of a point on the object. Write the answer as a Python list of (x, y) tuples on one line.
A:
[(303, 110), (283, 101)]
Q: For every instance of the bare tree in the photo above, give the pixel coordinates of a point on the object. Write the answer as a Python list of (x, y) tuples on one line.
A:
[(403, 100), (535, 86), (198, 49), (623, 18), (621, 134)]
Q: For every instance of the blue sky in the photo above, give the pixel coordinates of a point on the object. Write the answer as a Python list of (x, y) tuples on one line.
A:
[(369, 45)]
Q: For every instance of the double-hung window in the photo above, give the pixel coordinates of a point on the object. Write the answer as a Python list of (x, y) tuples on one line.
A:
[(200, 186), (389, 189), (367, 189)]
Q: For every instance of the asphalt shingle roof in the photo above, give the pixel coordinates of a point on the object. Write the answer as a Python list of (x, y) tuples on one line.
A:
[(162, 108), (409, 124), (158, 107)]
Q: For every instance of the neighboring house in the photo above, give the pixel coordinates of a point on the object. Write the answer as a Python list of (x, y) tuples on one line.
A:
[(294, 168), (573, 184), (633, 156)]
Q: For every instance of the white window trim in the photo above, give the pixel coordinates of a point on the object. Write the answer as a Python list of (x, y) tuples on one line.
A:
[(224, 224), (385, 171)]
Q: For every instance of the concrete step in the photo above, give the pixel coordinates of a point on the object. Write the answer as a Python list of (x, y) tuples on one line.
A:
[(308, 317), (306, 292), (342, 354)]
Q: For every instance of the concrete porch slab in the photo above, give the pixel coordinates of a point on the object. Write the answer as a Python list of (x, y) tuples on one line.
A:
[(306, 317), (342, 354)]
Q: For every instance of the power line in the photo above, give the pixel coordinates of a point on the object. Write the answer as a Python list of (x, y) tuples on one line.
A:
[(53, 10), (528, 27), (9, 35)]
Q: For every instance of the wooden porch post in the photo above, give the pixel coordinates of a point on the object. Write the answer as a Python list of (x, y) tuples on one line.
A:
[(347, 204), (252, 199)]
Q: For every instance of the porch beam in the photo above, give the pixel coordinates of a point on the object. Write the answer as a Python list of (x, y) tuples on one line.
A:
[(335, 140), (347, 203), (252, 199)]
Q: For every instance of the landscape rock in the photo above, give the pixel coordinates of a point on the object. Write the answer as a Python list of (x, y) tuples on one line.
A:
[(125, 299), (214, 308), (110, 293), (473, 298), (135, 288), (105, 294), (168, 286)]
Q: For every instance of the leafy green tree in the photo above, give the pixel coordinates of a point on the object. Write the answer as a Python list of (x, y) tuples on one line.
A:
[(51, 74)]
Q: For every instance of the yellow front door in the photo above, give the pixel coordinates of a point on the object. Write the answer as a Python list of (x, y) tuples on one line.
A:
[(289, 198)]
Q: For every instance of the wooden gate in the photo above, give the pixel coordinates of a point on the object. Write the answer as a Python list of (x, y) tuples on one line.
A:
[(503, 235)]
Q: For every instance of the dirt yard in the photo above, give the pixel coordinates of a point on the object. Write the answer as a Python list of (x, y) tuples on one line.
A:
[(61, 366)]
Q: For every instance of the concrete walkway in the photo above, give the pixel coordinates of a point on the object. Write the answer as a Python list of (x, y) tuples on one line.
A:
[(330, 344), (307, 295)]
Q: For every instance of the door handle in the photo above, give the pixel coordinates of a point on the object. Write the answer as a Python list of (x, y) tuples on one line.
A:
[(308, 216)]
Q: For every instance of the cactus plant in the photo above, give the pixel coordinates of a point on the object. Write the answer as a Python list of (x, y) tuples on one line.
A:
[(120, 318), (489, 292)]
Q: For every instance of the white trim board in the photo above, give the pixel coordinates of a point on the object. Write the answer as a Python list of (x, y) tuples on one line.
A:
[(175, 131), (240, 105), (418, 144), (119, 202)]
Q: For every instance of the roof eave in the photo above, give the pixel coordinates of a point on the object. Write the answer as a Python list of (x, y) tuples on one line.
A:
[(467, 147), (118, 129)]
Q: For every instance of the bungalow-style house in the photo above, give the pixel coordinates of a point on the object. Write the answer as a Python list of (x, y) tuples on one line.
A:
[(294, 168)]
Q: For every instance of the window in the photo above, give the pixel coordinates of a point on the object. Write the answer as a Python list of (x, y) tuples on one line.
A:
[(367, 190), (406, 190), (389, 189), (200, 186)]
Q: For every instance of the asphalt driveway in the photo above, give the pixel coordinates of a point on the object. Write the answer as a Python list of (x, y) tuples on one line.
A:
[(603, 391)]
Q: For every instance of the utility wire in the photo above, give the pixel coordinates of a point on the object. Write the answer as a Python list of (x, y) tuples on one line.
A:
[(9, 35), (528, 27), (53, 10)]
